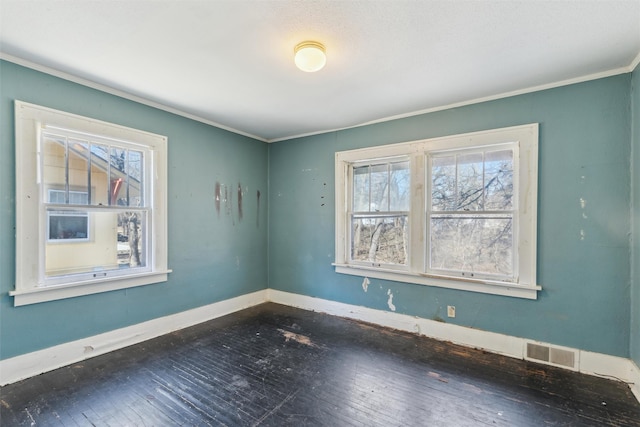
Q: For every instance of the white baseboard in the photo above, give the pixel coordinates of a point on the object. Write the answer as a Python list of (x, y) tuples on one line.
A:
[(597, 364), (635, 381), (37, 362), (31, 364)]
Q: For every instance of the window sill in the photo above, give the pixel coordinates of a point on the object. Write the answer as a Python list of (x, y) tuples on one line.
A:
[(52, 293), (472, 285)]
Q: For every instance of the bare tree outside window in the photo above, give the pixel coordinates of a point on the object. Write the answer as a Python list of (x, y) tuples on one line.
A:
[(471, 216), (126, 190), (379, 221)]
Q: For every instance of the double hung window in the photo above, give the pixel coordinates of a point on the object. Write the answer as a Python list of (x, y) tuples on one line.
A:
[(379, 220), (91, 206), (456, 212), (470, 212)]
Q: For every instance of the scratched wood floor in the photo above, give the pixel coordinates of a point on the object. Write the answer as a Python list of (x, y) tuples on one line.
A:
[(273, 365)]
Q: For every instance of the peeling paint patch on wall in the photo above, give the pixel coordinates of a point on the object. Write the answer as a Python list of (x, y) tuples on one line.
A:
[(217, 198), (390, 301), (365, 284), (224, 200)]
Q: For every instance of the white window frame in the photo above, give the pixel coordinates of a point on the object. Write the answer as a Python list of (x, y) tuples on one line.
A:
[(384, 213), (31, 227), (525, 140)]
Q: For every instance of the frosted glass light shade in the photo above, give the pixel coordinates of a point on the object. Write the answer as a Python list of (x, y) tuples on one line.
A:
[(310, 56)]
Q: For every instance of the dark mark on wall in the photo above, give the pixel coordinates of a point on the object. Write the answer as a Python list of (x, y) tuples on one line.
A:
[(322, 197), (230, 206), (217, 197), (239, 202)]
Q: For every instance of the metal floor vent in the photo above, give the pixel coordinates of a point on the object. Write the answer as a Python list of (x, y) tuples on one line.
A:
[(551, 355)]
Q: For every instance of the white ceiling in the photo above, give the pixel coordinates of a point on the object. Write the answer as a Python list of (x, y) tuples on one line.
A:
[(230, 62)]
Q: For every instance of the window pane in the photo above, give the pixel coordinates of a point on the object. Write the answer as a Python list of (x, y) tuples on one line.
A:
[(116, 241), (99, 178), (379, 188), (54, 165), (56, 196), (498, 177), (117, 177), (78, 171), (78, 198), (443, 183), (470, 187), (135, 174), (480, 244), (380, 240), (130, 239), (67, 225), (361, 189), (399, 187)]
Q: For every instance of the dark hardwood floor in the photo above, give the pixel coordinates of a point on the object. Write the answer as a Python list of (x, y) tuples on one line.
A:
[(273, 365)]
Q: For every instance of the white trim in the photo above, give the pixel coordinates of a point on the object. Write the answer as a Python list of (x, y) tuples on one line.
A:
[(27, 365), (635, 380), (503, 95), (521, 139), (486, 287), (596, 364), (31, 364), (120, 93), (496, 343), (172, 110), (32, 285), (607, 366), (88, 287), (634, 63)]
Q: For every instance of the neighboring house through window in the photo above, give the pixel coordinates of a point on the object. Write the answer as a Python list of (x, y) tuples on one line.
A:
[(456, 212), (67, 225), (91, 206)]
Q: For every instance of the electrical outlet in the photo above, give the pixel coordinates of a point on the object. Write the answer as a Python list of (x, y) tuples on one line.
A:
[(451, 311)]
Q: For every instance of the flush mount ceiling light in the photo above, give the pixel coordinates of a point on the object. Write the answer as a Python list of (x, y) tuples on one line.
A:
[(310, 56)]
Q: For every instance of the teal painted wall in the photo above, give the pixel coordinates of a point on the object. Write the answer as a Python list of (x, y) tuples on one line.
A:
[(585, 136), (214, 256), (635, 188)]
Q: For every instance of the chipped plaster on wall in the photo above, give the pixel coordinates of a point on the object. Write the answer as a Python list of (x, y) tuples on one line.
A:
[(390, 301), (365, 284)]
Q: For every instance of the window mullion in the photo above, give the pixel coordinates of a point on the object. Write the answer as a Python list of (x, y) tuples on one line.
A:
[(484, 188), (66, 170), (89, 160), (127, 175), (417, 235), (369, 185)]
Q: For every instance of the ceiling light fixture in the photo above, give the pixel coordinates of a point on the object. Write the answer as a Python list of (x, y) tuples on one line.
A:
[(310, 56)]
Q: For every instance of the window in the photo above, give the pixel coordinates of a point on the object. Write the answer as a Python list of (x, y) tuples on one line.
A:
[(379, 224), (456, 212), (90, 203)]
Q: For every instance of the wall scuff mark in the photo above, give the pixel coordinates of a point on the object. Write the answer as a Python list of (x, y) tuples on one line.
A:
[(239, 202), (258, 209), (217, 198), (365, 284), (390, 301)]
